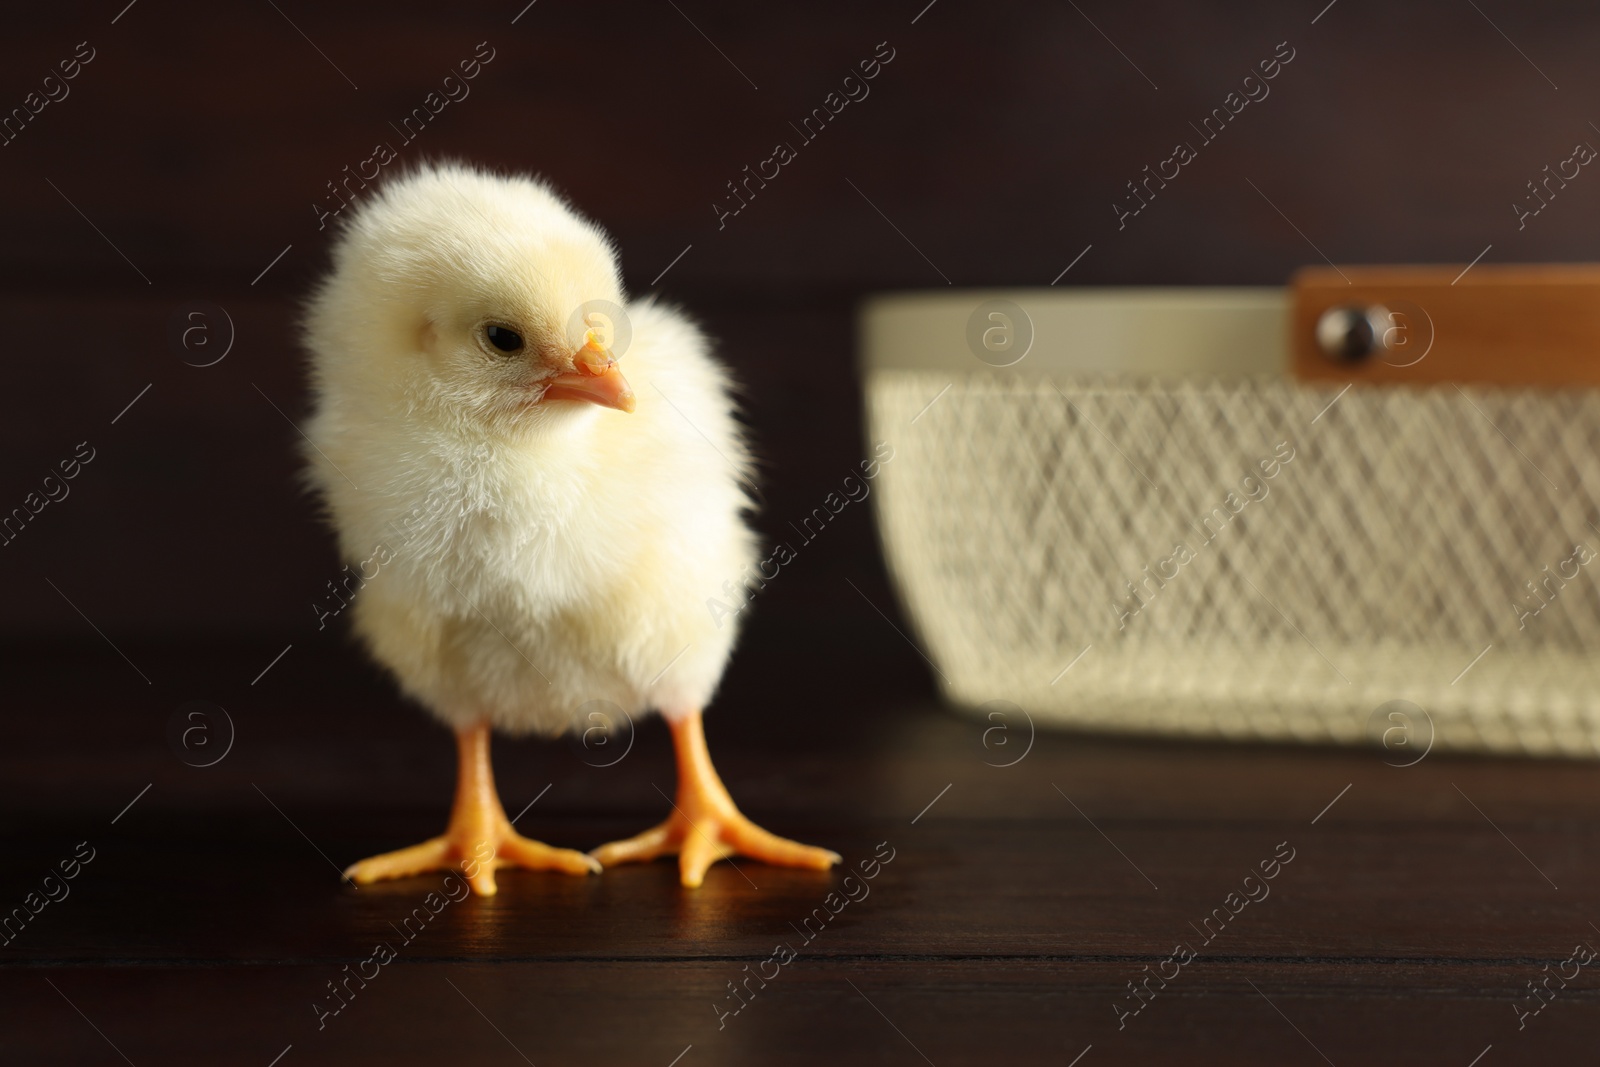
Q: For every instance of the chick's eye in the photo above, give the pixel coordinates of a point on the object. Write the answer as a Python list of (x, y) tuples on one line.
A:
[(503, 339)]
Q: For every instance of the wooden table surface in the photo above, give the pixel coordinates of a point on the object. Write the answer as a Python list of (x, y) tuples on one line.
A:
[(1019, 902)]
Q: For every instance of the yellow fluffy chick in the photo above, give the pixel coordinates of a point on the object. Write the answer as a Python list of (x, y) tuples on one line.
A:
[(539, 531)]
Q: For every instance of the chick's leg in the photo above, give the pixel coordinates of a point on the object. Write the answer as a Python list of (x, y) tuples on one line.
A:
[(479, 838), (705, 825)]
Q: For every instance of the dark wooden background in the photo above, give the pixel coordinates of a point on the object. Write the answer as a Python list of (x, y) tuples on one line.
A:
[(997, 140), (188, 156)]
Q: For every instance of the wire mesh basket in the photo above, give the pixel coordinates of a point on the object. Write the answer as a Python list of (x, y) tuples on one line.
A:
[(1245, 556)]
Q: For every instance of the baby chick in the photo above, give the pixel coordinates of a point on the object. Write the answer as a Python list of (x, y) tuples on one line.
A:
[(549, 535)]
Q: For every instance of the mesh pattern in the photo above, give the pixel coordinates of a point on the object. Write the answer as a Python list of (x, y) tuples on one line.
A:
[(1400, 553)]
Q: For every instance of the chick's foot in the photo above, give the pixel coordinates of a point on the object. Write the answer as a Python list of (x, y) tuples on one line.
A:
[(477, 857), (705, 825), (479, 839)]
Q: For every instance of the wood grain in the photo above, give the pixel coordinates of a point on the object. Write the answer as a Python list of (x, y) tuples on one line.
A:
[(1018, 904)]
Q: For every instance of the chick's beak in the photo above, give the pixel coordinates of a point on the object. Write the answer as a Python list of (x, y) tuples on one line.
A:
[(595, 379)]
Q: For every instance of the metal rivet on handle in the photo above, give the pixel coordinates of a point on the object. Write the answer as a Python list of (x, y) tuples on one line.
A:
[(1350, 332)]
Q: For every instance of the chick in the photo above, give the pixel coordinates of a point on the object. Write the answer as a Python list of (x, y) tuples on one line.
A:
[(548, 534)]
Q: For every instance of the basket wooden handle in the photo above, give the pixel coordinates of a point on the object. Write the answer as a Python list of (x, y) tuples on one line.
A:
[(1501, 324)]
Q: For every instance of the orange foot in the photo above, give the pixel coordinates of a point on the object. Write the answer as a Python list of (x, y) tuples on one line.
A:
[(705, 825), (479, 839)]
